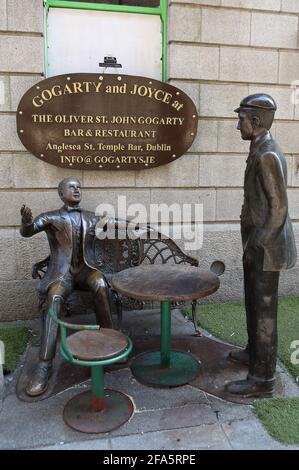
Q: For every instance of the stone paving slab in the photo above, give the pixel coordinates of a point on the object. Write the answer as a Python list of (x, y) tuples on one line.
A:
[(206, 436), (150, 398), (28, 425), (96, 444), (165, 419), (226, 412), (249, 434)]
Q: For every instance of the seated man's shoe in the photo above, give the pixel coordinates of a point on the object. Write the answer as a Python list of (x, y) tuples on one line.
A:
[(241, 356), (40, 379), (251, 388)]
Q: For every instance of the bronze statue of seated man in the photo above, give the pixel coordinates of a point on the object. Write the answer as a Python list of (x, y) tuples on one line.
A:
[(70, 231)]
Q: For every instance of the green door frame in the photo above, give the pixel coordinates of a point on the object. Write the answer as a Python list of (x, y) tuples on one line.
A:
[(161, 11)]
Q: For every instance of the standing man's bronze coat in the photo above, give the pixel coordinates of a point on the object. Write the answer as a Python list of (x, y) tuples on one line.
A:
[(268, 244), (71, 235)]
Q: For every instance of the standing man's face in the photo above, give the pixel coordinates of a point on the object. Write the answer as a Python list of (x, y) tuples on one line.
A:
[(71, 192), (245, 126)]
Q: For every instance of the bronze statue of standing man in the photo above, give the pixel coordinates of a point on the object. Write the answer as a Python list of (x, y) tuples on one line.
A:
[(268, 244), (71, 234)]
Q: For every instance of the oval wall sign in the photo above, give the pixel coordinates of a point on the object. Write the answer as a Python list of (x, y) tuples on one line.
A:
[(89, 121)]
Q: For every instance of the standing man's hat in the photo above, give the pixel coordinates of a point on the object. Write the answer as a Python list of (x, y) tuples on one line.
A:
[(258, 101)]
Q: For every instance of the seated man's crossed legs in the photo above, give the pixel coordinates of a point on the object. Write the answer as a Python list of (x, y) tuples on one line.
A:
[(57, 294)]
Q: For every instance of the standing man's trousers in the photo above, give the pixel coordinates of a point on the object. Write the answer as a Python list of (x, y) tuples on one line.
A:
[(261, 300)]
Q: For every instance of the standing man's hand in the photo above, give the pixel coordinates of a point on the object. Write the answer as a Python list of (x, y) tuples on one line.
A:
[(259, 238), (26, 214)]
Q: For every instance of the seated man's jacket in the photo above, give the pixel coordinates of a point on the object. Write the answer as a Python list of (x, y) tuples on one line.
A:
[(58, 227)]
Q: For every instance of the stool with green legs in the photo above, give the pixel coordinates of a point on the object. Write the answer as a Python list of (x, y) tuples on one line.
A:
[(97, 410)]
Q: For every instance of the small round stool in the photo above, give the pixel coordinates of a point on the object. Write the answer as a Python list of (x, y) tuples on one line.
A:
[(98, 410)]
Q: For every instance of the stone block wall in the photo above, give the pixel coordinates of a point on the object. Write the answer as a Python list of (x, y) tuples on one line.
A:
[(219, 51), (21, 66)]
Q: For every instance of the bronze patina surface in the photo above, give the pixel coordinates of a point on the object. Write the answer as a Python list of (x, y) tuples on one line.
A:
[(71, 232), (268, 244), (80, 415), (99, 122), (165, 282), (64, 376), (96, 345)]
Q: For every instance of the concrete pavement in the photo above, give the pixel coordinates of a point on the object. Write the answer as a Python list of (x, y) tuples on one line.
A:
[(164, 419)]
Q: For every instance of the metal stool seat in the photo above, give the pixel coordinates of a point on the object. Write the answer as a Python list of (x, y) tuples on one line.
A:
[(97, 410), (97, 345)]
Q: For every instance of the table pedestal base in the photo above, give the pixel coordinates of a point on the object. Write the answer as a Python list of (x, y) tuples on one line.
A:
[(148, 369), (78, 413)]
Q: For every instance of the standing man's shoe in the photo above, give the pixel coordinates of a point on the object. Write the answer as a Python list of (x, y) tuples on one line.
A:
[(241, 356), (40, 379), (251, 388)]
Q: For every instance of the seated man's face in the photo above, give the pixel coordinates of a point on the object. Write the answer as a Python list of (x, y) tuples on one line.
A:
[(71, 192)]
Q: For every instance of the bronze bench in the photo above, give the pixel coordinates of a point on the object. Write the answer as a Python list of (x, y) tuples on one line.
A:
[(114, 255)]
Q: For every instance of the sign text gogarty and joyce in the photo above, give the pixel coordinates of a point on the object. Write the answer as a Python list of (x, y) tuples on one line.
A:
[(96, 87)]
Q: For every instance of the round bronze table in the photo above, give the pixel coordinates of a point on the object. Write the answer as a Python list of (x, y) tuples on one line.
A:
[(165, 283)]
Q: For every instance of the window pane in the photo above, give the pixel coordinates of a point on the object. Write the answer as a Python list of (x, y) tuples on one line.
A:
[(89, 36), (139, 3)]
